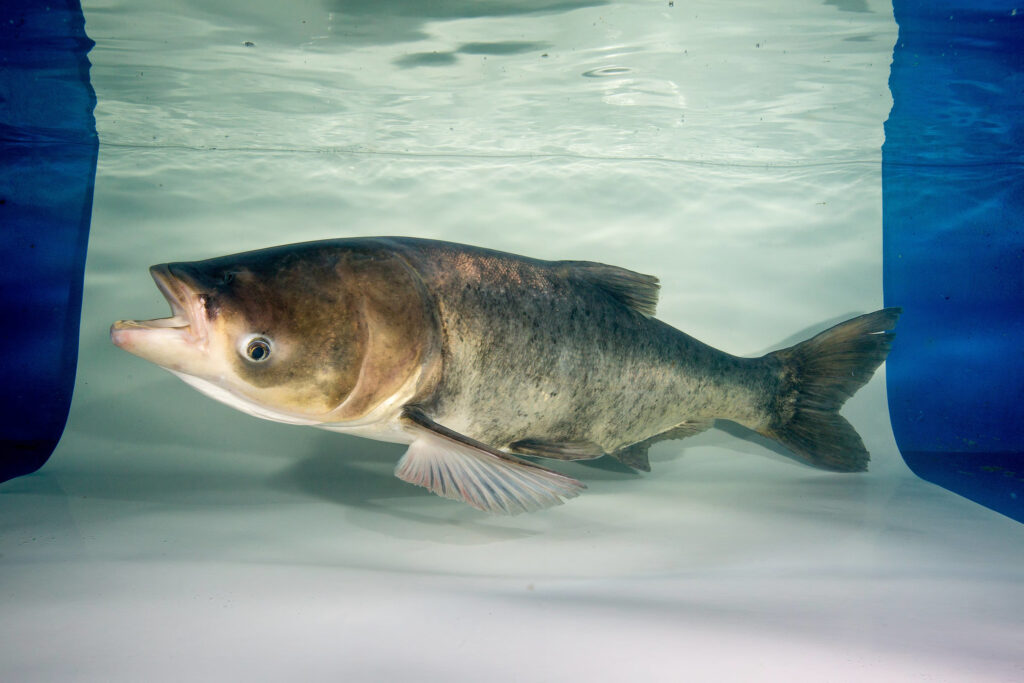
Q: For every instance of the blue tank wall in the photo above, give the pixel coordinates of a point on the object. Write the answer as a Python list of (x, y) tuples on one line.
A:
[(48, 148), (953, 202)]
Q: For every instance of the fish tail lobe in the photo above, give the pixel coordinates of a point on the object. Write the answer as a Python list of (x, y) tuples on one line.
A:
[(817, 377)]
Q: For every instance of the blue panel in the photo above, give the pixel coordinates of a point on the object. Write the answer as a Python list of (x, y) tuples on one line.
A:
[(953, 198), (48, 148)]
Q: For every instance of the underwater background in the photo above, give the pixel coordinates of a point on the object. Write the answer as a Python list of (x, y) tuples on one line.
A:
[(739, 151)]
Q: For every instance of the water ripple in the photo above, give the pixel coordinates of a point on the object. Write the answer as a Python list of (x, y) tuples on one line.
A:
[(607, 71)]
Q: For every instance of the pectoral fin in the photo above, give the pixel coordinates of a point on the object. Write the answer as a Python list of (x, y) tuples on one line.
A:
[(454, 466)]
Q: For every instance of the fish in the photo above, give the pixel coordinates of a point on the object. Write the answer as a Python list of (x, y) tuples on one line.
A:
[(485, 362)]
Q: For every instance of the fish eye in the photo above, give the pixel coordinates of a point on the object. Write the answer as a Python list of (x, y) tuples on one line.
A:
[(258, 350)]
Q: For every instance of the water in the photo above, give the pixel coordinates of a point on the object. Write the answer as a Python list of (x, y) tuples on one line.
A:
[(732, 149)]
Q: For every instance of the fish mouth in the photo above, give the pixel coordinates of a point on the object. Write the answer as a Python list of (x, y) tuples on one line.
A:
[(187, 310)]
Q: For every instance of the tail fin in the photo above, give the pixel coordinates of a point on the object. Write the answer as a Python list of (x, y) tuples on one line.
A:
[(818, 376)]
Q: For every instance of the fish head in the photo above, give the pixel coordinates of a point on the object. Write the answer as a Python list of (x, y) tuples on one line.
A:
[(300, 334)]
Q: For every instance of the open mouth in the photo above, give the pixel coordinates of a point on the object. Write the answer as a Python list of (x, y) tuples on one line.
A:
[(183, 304)]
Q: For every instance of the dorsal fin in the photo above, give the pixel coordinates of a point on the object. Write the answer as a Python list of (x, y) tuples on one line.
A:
[(636, 290)]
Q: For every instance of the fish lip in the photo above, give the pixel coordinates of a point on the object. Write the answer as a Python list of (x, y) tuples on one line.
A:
[(186, 306)]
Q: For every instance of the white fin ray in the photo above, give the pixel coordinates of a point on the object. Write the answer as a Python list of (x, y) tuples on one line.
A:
[(484, 480)]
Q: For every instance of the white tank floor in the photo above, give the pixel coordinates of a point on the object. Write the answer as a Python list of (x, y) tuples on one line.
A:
[(186, 555)]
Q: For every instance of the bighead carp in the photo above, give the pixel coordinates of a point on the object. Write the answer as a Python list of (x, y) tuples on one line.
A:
[(476, 357)]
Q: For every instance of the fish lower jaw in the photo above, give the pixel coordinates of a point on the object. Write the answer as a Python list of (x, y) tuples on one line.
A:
[(137, 334), (174, 322)]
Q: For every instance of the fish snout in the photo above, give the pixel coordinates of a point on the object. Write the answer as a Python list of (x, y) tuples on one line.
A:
[(186, 324)]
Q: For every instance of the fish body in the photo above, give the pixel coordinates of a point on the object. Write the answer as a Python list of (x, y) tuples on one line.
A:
[(474, 356)]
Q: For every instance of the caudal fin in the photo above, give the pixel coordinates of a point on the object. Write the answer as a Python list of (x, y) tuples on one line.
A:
[(818, 376)]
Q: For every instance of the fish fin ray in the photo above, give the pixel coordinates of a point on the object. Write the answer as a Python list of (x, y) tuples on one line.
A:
[(459, 468), (635, 290), (819, 375), (558, 450)]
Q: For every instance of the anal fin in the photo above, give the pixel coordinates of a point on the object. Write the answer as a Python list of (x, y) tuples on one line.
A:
[(455, 466), (635, 455)]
